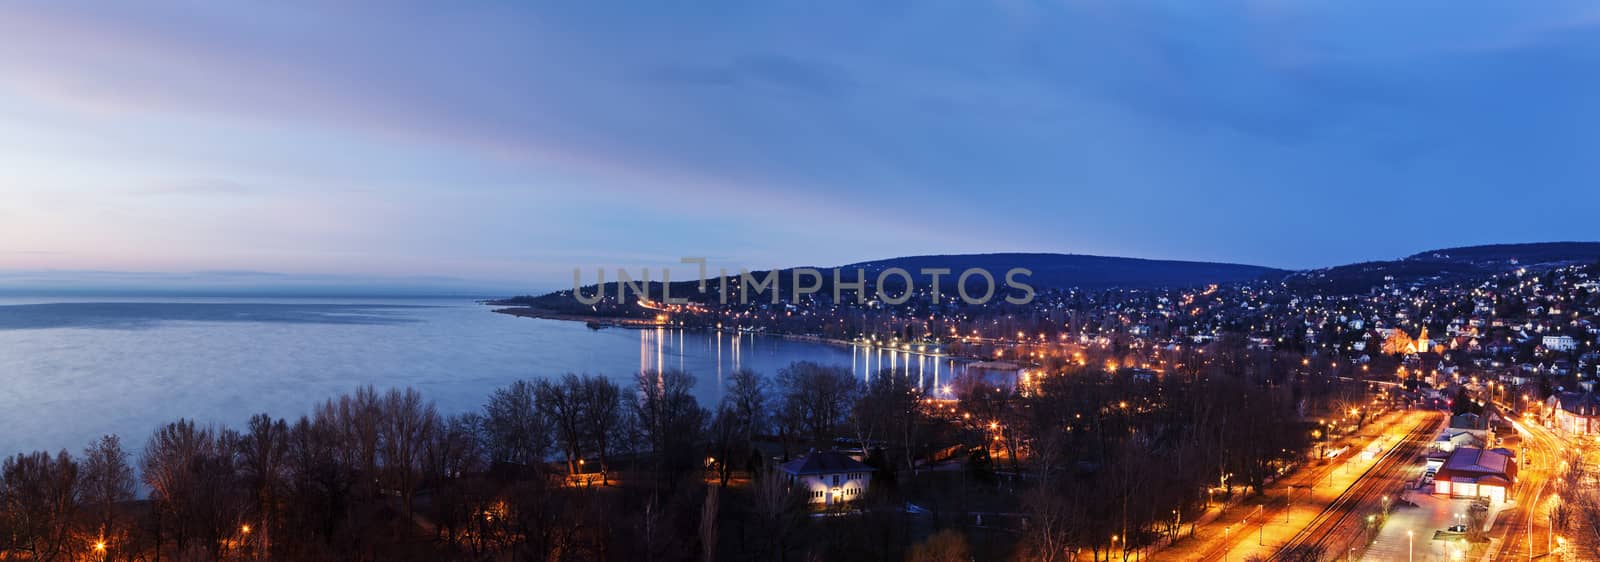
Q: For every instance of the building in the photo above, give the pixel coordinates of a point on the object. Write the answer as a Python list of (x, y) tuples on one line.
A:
[(1467, 420), (828, 477), (1477, 473), (1560, 343), (1575, 412), (1451, 439)]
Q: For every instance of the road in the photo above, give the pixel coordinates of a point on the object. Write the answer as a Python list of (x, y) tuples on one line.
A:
[(1525, 533)]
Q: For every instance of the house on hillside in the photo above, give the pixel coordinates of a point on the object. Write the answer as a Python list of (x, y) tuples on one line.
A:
[(1575, 412), (1559, 343), (828, 477)]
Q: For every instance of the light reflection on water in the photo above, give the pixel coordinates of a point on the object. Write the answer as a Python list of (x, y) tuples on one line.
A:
[(664, 348)]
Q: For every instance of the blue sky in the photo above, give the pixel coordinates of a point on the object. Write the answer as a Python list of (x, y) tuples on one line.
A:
[(508, 143)]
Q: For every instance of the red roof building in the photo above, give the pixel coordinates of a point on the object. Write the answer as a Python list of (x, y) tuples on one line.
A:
[(1477, 473)]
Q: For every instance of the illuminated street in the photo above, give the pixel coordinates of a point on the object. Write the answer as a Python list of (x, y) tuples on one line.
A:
[(1526, 530), (1328, 500)]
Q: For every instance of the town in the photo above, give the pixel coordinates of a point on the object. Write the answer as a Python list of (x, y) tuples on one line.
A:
[(1471, 389), (795, 281)]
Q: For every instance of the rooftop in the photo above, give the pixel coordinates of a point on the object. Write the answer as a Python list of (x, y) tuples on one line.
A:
[(824, 462), (1479, 461)]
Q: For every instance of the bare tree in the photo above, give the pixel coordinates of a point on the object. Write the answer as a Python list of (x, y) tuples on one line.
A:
[(193, 480), (561, 406), (991, 407), (408, 427), (107, 481), (726, 435), (513, 427), (670, 420), (1055, 522), (747, 397), (454, 455), (263, 455), (167, 465), (890, 409), (819, 396), (38, 499), (359, 419), (602, 417), (457, 447), (321, 483), (778, 513)]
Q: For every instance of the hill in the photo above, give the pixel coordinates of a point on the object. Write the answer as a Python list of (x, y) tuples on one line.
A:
[(1443, 266), (1058, 271), (1049, 271)]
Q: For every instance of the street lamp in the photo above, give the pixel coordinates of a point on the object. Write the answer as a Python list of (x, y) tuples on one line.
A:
[(1225, 544), (1288, 503)]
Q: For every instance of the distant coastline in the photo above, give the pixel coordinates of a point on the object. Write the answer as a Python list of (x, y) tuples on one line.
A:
[(530, 312), (595, 321)]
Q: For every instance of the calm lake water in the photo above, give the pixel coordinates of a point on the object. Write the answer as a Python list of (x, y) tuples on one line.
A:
[(74, 369)]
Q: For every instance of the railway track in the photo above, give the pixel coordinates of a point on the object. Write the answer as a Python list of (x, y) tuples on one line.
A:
[(1305, 479), (1374, 482)]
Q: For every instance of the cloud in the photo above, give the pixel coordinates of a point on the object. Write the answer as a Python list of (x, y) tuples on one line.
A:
[(770, 70), (782, 132), (198, 187)]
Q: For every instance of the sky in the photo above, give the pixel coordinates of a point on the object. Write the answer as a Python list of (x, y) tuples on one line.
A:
[(504, 144)]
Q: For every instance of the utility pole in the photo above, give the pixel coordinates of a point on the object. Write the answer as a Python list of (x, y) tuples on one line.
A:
[(1288, 503)]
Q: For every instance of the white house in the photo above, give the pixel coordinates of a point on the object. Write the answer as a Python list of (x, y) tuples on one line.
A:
[(828, 477), (1560, 343), (1575, 413)]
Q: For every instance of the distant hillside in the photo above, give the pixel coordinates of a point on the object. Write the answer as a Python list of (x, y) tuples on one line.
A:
[(1446, 265), (1073, 270), (1060, 271), (1545, 252), (1049, 271)]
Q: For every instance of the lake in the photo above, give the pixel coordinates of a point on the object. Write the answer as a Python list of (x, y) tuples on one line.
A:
[(74, 369)]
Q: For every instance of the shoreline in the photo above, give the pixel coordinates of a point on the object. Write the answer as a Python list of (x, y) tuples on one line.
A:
[(640, 323), (530, 312)]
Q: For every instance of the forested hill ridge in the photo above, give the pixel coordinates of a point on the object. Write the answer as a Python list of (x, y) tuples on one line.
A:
[(1447, 265), (1062, 271), (1065, 273), (1049, 272)]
